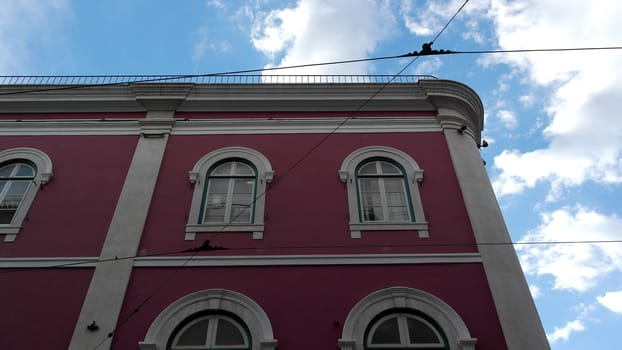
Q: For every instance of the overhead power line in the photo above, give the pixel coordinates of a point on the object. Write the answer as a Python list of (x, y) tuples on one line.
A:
[(206, 247), (425, 51)]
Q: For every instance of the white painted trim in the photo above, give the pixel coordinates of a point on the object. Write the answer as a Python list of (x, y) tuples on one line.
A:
[(28, 263), (255, 126), (69, 127), (251, 260), (43, 174), (104, 298), (517, 313), (306, 125), (414, 176), (197, 177), (359, 318), (308, 260), (253, 316)]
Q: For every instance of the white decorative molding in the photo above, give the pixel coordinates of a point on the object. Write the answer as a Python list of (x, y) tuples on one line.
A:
[(69, 127), (156, 127), (60, 262), (362, 314), (307, 260), (250, 260), (414, 176), (253, 316), (196, 176), (279, 125), (43, 175), (256, 126)]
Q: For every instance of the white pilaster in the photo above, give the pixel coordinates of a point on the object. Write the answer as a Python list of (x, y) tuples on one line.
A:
[(109, 283), (516, 310)]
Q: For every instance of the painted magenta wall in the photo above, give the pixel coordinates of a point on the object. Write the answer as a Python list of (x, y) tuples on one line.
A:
[(303, 302), (39, 308), (307, 206), (71, 214)]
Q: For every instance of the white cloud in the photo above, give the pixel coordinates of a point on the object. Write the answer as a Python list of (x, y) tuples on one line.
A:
[(612, 301), (216, 3), (320, 31), (23, 24), (508, 118), (429, 66), (583, 130), (564, 332), (201, 45), (573, 266), (535, 291)]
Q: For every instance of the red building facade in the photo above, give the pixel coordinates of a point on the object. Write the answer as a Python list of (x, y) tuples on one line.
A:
[(254, 216)]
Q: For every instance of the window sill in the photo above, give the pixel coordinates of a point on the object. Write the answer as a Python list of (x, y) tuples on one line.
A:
[(420, 227), (10, 232), (193, 229)]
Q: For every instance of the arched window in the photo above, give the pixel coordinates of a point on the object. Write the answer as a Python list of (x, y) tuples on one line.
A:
[(22, 171), (404, 330), (229, 192), (15, 181), (404, 318), (210, 332), (214, 319), (383, 191)]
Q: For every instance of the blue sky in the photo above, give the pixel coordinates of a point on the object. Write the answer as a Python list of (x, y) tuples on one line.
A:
[(552, 119)]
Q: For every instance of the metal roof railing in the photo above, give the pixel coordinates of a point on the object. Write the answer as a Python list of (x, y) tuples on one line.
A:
[(206, 79)]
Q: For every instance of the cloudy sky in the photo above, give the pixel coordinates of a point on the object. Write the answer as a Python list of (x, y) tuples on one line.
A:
[(552, 122)]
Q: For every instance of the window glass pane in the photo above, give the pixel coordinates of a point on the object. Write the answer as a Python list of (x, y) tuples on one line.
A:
[(18, 187), (6, 215), (2, 183), (242, 169), (420, 333), (242, 200), (368, 169), (25, 170), (7, 170), (389, 169), (195, 334), (216, 200), (228, 334), (223, 169), (387, 333), (397, 205), (371, 199), (14, 193)]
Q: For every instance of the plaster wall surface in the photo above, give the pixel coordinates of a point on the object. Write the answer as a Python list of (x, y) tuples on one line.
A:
[(303, 302), (71, 213)]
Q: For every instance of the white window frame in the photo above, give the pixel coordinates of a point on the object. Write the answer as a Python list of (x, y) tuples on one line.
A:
[(369, 308), (198, 177), (43, 174), (413, 176), (216, 300)]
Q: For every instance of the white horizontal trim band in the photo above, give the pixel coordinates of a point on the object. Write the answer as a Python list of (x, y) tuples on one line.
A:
[(323, 259), (25, 263), (252, 260), (223, 126)]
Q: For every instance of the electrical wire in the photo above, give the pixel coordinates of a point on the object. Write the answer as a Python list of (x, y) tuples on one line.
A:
[(268, 69), (293, 166), (302, 247)]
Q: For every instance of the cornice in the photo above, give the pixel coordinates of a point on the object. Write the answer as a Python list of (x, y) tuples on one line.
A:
[(456, 103), (425, 95)]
